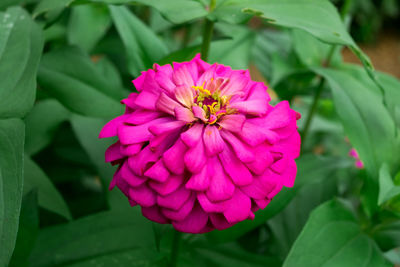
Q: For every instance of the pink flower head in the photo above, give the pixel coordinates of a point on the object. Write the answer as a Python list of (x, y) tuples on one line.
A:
[(200, 147), (359, 164)]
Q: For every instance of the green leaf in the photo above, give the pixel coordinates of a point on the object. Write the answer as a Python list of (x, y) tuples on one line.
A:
[(48, 195), (176, 11), (27, 230), (364, 117), (225, 255), (42, 123), (100, 235), (287, 225), (109, 71), (87, 130), (387, 235), (387, 188), (21, 45), (70, 76), (332, 237), (311, 169), (87, 25), (318, 17), (171, 10), (12, 134), (131, 257), (234, 52), (142, 46), (311, 51), (6, 3), (181, 55), (50, 5)]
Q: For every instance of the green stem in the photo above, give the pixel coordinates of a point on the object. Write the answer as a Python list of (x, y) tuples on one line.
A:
[(207, 33), (312, 111), (207, 36), (175, 248), (344, 11)]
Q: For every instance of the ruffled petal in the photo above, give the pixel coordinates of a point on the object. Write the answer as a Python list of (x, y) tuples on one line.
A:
[(212, 141), (192, 136), (195, 158), (235, 168), (173, 157), (174, 200)]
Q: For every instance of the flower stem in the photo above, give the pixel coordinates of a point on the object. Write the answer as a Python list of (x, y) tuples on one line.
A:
[(207, 34), (175, 248), (312, 111), (344, 11)]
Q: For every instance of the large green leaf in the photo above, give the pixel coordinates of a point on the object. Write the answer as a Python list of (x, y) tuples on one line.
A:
[(230, 254), (11, 182), (87, 130), (42, 123), (234, 52), (366, 121), (70, 76), (332, 237), (21, 45), (131, 257), (99, 235), (48, 195), (27, 230), (142, 46), (171, 10), (87, 24), (287, 225), (311, 169), (318, 17)]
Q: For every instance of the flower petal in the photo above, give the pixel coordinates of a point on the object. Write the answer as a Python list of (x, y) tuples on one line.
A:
[(235, 168), (113, 152), (194, 223), (166, 104), (233, 122), (243, 151), (199, 181), (212, 141), (158, 172), (111, 128), (184, 114), (175, 200), (173, 157), (154, 214), (143, 195), (184, 94), (195, 157), (192, 136), (167, 187), (221, 187)]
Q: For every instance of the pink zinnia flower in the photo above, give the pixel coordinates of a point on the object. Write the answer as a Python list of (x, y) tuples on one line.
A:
[(200, 147), (359, 164)]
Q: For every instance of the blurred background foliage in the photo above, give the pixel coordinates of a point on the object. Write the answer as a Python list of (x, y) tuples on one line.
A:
[(66, 64)]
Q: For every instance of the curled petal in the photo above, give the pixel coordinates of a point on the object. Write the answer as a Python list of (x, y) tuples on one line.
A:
[(184, 94), (184, 114), (233, 123)]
